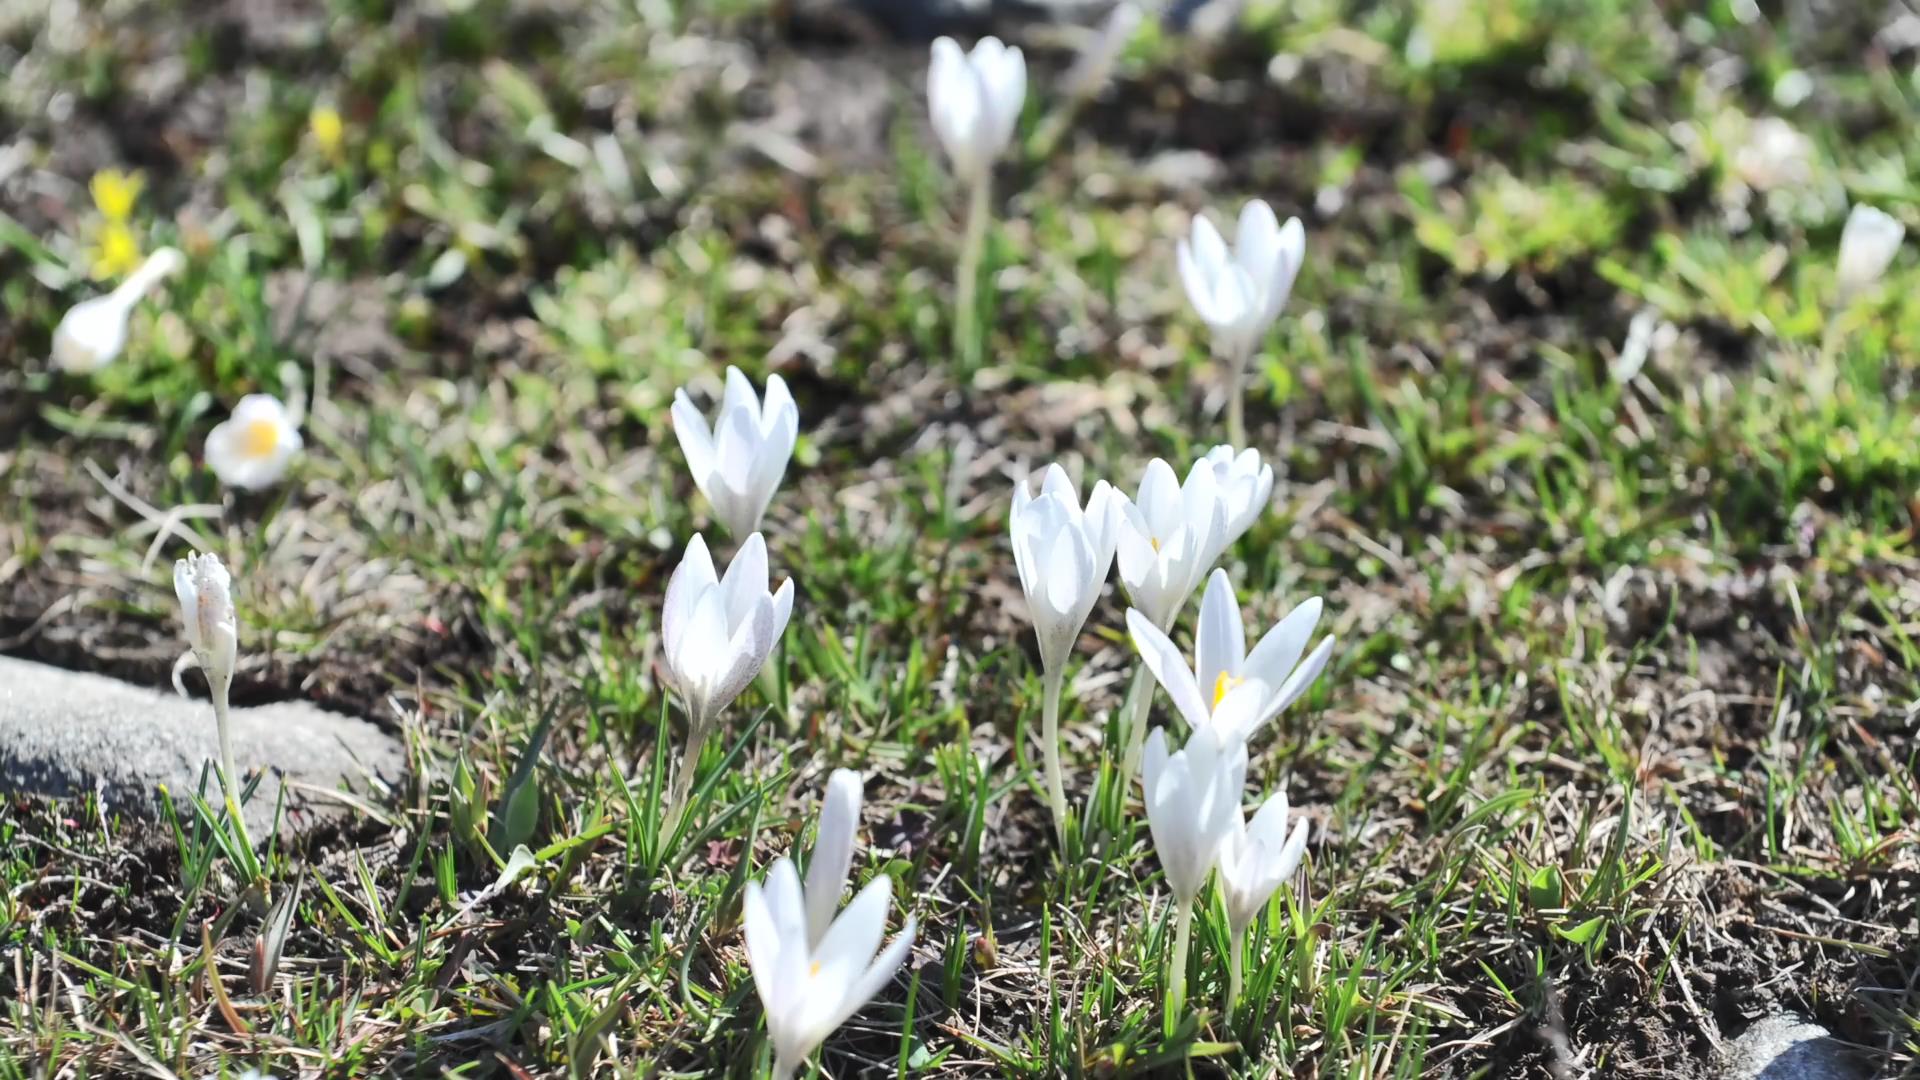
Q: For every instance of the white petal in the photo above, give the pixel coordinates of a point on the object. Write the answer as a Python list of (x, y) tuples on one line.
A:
[(1868, 243), (1209, 249), (183, 587), (850, 942), (696, 439), (1220, 643), (881, 971), (745, 582), (1157, 651), (689, 579), (782, 608), (832, 854), (1301, 680), (1273, 659)]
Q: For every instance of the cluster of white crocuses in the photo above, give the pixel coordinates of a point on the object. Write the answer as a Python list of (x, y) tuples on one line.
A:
[(1164, 541), (251, 449), (812, 970)]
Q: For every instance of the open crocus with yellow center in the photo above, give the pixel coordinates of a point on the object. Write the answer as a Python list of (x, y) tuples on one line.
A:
[(252, 448), (1228, 689), (811, 969)]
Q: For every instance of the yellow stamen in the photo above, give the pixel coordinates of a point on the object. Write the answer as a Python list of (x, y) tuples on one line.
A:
[(1222, 685), (1155, 541), (259, 438), (813, 970)]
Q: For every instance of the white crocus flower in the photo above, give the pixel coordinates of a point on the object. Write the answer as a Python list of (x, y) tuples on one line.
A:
[(252, 448), (1167, 538), (1239, 291), (1062, 554), (92, 332), (1193, 801), (205, 591), (739, 461), (717, 632), (974, 100), (1245, 484), (1254, 860), (1868, 244), (813, 970), (1229, 690)]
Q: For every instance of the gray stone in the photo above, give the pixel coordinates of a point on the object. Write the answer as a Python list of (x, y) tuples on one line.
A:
[(1785, 1047), (67, 733)]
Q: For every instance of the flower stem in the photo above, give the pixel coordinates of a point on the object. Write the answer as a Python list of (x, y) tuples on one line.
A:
[(782, 1069), (229, 775), (683, 779), (1050, 752), (1139, 698), (1177, 976), (1235, 947), (1236, 396), (966, 321)]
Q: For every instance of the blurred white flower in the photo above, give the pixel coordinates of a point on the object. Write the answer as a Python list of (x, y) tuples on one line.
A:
[(974, 99), (1255, 859), (1090, 70), (1239, 292), (205, 590), (252, 448), (1062, 554), (1245, 484), (739, 461), (1167, 538), (92, 332), (1868, 244), (1229, 690), (1193, 801), (813, 970)]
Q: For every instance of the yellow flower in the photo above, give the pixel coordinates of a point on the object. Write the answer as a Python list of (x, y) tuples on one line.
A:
[(327, 128), (115, 192), (115, 252)]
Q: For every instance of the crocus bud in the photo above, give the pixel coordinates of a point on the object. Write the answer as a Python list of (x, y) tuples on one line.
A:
[(206, 607), (92, 332), (1868, 244), (738, 461), (974, 100)]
